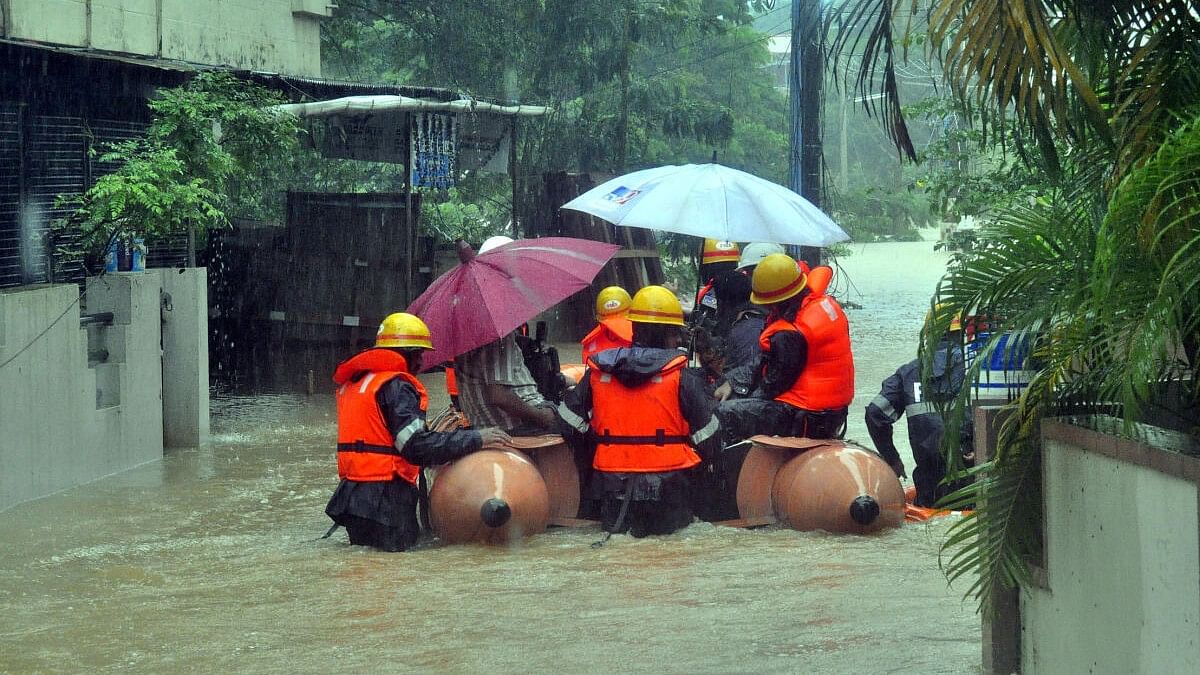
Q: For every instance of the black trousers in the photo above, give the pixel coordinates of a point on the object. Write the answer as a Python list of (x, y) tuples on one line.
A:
[(929, 476), (366, 532), (380, 514), (714, 485), (658, 503), (742, 418)]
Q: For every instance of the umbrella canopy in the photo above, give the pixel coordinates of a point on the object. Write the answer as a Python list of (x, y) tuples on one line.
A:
[(488, 295), (709, 200)]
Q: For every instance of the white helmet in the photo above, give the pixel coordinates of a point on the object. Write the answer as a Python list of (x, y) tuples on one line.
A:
[(494, 242), (752, 254)]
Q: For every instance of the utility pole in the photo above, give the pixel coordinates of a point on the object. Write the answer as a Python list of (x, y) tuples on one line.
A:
[(804, 96), (844, 174)]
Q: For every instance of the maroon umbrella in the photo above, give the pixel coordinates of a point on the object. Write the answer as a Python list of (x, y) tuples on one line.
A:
[(489, 295)]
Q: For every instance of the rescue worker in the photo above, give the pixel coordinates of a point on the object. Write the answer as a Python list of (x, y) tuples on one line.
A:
[(716, 258), (649, 418), (744, 321), (613, 328), (905, 393), (806, 380), (382, 441)]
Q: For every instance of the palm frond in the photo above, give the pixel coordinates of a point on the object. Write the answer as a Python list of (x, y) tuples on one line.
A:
[(867, 28)]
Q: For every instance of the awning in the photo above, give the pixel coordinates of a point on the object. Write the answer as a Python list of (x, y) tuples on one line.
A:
[(448, 136), (363, 105)]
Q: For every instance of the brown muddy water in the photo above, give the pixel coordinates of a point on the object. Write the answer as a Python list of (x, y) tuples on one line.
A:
[(207, 561)]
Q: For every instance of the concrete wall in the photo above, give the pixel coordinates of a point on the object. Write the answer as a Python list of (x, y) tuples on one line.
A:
[(1122, 585), (64, 422), (273, 35)]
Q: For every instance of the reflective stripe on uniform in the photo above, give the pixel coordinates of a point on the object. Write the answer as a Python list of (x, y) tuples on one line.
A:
[(885, 405), (706, 432), (407, 432), (366, 382), (574, 421), (920, 408)]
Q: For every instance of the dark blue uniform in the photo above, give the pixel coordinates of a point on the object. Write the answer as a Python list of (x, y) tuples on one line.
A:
[(904, 394)]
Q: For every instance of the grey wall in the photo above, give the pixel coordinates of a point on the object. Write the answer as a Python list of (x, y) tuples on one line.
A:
[(1122, 583), (63, 422)]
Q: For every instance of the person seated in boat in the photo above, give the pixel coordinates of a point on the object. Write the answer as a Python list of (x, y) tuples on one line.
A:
[(382, 440), (496, 389), (495, 386), (716, 259), (741, 322), (649, 418), (906, 393), (806, 380), (613, 328)]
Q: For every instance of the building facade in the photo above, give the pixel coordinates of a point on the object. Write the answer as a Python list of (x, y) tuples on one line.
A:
[(281, 36)]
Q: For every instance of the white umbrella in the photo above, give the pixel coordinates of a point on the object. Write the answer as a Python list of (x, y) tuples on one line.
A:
[(710, 200)]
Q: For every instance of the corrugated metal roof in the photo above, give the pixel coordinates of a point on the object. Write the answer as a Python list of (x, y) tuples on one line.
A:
[(121, 57)]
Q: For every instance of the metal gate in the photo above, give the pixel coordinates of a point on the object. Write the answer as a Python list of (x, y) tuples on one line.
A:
[(41, 158)]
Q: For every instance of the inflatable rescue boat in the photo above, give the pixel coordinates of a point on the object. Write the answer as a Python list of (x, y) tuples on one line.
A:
[(498, 497)]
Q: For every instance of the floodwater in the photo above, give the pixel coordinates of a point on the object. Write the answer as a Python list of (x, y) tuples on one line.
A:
[(208, 561)]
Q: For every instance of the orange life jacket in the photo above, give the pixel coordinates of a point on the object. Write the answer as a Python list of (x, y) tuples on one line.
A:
[(451, 379), (827, 381), (610, 333), (703, 292), (366, 449), (640, 429)]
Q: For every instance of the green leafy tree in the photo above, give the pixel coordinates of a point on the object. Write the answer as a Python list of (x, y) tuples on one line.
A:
[(213, 145), (629, 83)]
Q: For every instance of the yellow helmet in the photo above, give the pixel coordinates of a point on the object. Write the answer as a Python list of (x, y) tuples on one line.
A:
[(612, 300), (776, 278), (719, 251), (403, 330), (942, 309), (655, 304)]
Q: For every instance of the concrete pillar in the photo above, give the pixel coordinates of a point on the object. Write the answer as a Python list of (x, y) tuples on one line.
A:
[(185, 356), (1001, 630)]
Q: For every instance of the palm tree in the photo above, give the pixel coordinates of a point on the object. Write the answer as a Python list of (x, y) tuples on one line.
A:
[(1100, 277)]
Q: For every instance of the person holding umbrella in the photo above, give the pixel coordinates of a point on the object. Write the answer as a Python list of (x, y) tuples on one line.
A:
[(806, 381), (716, 259), (477, 306), (650, 419), (497, 388), (382, 439), (741, 322)]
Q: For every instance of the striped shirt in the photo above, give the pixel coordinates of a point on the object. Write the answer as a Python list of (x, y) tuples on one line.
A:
[(500, 362)]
